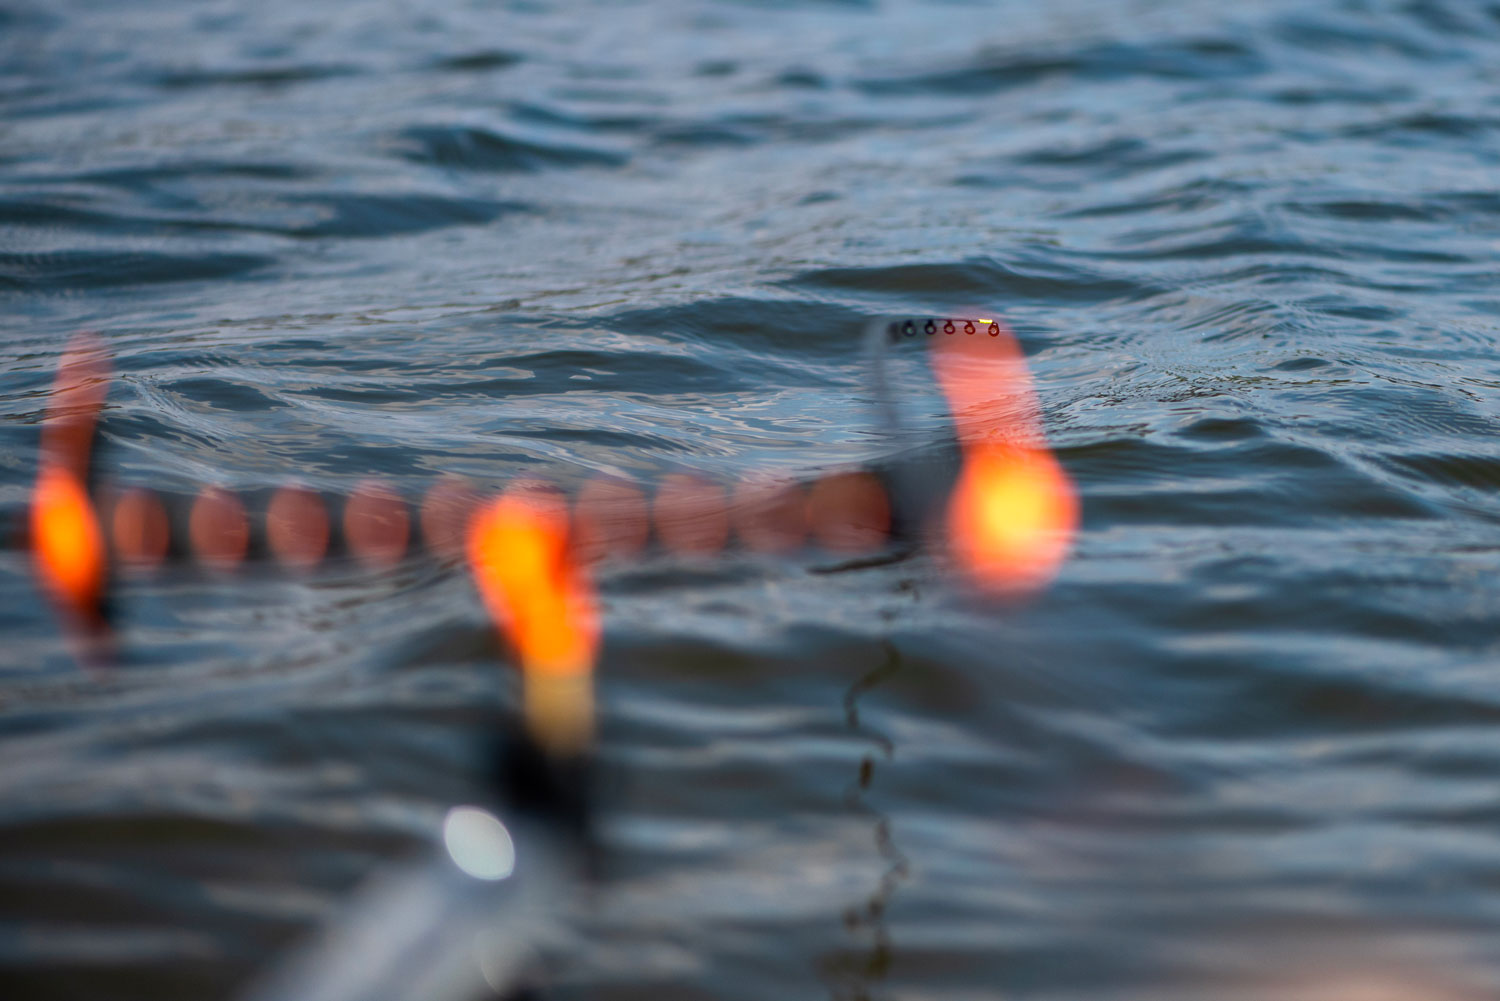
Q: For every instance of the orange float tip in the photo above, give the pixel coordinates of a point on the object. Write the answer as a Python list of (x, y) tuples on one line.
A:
[(525, 566), (78, 392), (67, 542), (519, 551), (1011, 518), (987, 385)]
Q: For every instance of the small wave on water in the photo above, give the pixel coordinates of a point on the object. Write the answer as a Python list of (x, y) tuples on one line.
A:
[(1240, 748)]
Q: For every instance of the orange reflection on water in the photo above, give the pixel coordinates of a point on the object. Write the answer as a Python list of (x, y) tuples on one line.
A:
[(218, 529), (849, 512), (297, 527), (445, 516), (770, 514), (376, 524), (1013, 511), (692, 518), (520, 554), (610, 520), (140, 529)]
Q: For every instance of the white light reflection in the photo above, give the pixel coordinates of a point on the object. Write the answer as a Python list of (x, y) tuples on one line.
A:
[(479, 843)]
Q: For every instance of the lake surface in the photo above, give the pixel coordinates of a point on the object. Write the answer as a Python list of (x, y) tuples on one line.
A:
[(1246, 746)]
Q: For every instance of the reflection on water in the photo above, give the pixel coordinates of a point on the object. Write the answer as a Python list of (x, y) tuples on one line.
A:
[(852, 975)]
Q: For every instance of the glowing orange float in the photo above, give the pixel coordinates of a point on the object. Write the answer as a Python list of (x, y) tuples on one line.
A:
[(66, 538), (1014, 511), (523, 564), (66, 541)]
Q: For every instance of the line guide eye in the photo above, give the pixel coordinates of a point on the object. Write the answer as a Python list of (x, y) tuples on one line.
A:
[(908, 327), (67, 542)]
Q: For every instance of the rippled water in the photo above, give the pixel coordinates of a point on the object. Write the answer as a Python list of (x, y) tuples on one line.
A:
[(1242, 749)]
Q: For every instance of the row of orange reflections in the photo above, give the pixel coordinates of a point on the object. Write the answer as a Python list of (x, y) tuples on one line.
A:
[(610, 517), (528, 549), (1006, 527), (1009, 519)]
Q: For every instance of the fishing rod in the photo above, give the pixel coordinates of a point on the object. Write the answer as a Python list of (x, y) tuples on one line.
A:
[(461, 918), (460, 921)]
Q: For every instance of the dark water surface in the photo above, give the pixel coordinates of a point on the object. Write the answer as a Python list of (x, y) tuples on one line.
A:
[(1246, 747)]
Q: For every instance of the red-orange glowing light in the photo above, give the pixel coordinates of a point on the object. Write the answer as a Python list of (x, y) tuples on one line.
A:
[(218, 529), (519, 552), (297, 527), (67, 543), (1014, 511), (1011, 517), (445, 516), (770, 514), (692, 518), (609, 520), (66, 537), (849, 513), (522, 561), (376, 524), (140, 529)]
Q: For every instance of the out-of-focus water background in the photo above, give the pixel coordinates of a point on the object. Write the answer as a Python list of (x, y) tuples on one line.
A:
[(1247, 745)]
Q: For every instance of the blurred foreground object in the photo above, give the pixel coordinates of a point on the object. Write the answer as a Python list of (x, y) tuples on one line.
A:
[(460, 921)]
